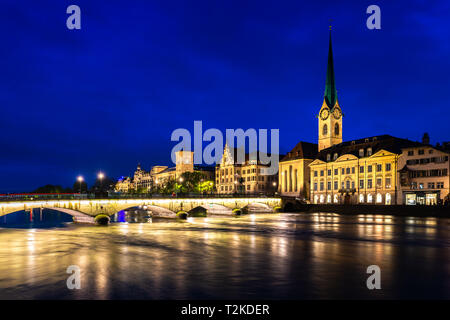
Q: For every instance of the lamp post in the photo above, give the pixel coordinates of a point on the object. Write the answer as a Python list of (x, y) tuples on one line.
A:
[(100, 176), (80, 180)]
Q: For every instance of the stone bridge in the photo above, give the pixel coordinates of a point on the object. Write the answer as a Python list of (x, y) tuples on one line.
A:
[(84, 209)]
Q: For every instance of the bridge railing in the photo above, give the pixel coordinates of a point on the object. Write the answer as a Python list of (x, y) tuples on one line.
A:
[(77, 196)]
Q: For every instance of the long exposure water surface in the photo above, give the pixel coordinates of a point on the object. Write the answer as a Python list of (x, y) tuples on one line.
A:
[(266, 256)]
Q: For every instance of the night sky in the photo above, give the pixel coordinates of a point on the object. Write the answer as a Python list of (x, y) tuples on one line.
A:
[(109, 95)]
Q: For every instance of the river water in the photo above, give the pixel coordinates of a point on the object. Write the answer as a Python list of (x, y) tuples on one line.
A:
[(265, 256)]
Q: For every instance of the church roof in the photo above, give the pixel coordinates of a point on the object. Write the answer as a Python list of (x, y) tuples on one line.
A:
[(303, 150), (377, 143), (330, 85)]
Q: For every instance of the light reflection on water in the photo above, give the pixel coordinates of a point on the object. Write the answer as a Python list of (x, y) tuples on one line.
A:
[(278, 256)]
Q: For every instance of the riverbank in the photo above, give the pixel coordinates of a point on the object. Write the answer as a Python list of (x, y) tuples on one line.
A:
[(395, 210)]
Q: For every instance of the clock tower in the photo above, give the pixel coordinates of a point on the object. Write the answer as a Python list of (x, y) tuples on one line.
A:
[(330, 114)]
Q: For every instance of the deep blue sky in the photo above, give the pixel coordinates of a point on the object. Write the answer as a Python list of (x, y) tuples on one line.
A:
[(110, 95)]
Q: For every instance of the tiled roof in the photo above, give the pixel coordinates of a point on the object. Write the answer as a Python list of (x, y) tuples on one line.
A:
[(303, 150), (377, 143)]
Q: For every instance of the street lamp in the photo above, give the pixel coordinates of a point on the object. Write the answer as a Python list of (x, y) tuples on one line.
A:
[(100, 176), (80, 180)]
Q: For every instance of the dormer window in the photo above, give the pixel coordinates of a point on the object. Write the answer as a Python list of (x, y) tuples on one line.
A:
[(361, 153), (335, 156), (369, 152), (366, 140), (353, 142), (328, 157)]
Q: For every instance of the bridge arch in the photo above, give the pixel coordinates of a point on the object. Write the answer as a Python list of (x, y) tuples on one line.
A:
[(257, 207), (155, 211), (77, 215), (210, 209)]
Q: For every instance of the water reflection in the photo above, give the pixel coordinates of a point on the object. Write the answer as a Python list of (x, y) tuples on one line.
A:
[(279, 256)]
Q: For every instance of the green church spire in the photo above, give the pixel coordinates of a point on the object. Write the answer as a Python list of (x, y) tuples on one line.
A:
[(330, 85)]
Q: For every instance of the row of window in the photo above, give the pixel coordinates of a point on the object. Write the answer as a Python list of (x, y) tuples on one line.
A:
[(351, 184), (428, 173), (430, 185), (420, 152), (362, 199), (427, 160), (362, 152), (351, 170)]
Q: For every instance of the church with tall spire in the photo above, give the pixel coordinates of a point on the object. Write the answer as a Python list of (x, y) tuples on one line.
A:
[(330, 114)]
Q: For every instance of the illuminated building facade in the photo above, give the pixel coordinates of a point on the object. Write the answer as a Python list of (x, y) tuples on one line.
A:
[(233, 177), (424, 174)]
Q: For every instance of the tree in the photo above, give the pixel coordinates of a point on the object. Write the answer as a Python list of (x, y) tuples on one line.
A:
[(49, 188), (102, 185), (77, 186)]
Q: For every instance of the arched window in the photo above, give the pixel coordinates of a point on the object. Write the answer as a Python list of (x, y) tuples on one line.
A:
[(361, 198), (379, 198), (290, 178), (336, 129), (388, 198), (325, 130), (329, 198)]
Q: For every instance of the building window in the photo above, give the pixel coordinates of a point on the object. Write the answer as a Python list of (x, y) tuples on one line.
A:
[(335, 156), (430, 151), (388, 183), (361, 184), (321, 198), (347, 184), (329, 185), (329, 198), (348, 170), (388, 167), (328, 157), (321, 186), (361, 152), (336, 129), (440, 185), (430, 185), (325, 130), (379, 198), (321, 173), (410, 152), (421, 151), (295, 180), (361, 169), (379, 167), (315, 186), (336, 172), (379, 183), (353, 170), (336, 186), (369, 168), (369, 152), (369, 183), (361, 198), (388, 198), (336, 200), (315, 173), (343, 171), (329, 172), (420, 185), (343, 185)]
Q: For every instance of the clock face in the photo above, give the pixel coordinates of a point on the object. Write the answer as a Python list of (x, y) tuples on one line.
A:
[(324, 114), (337, 113)]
